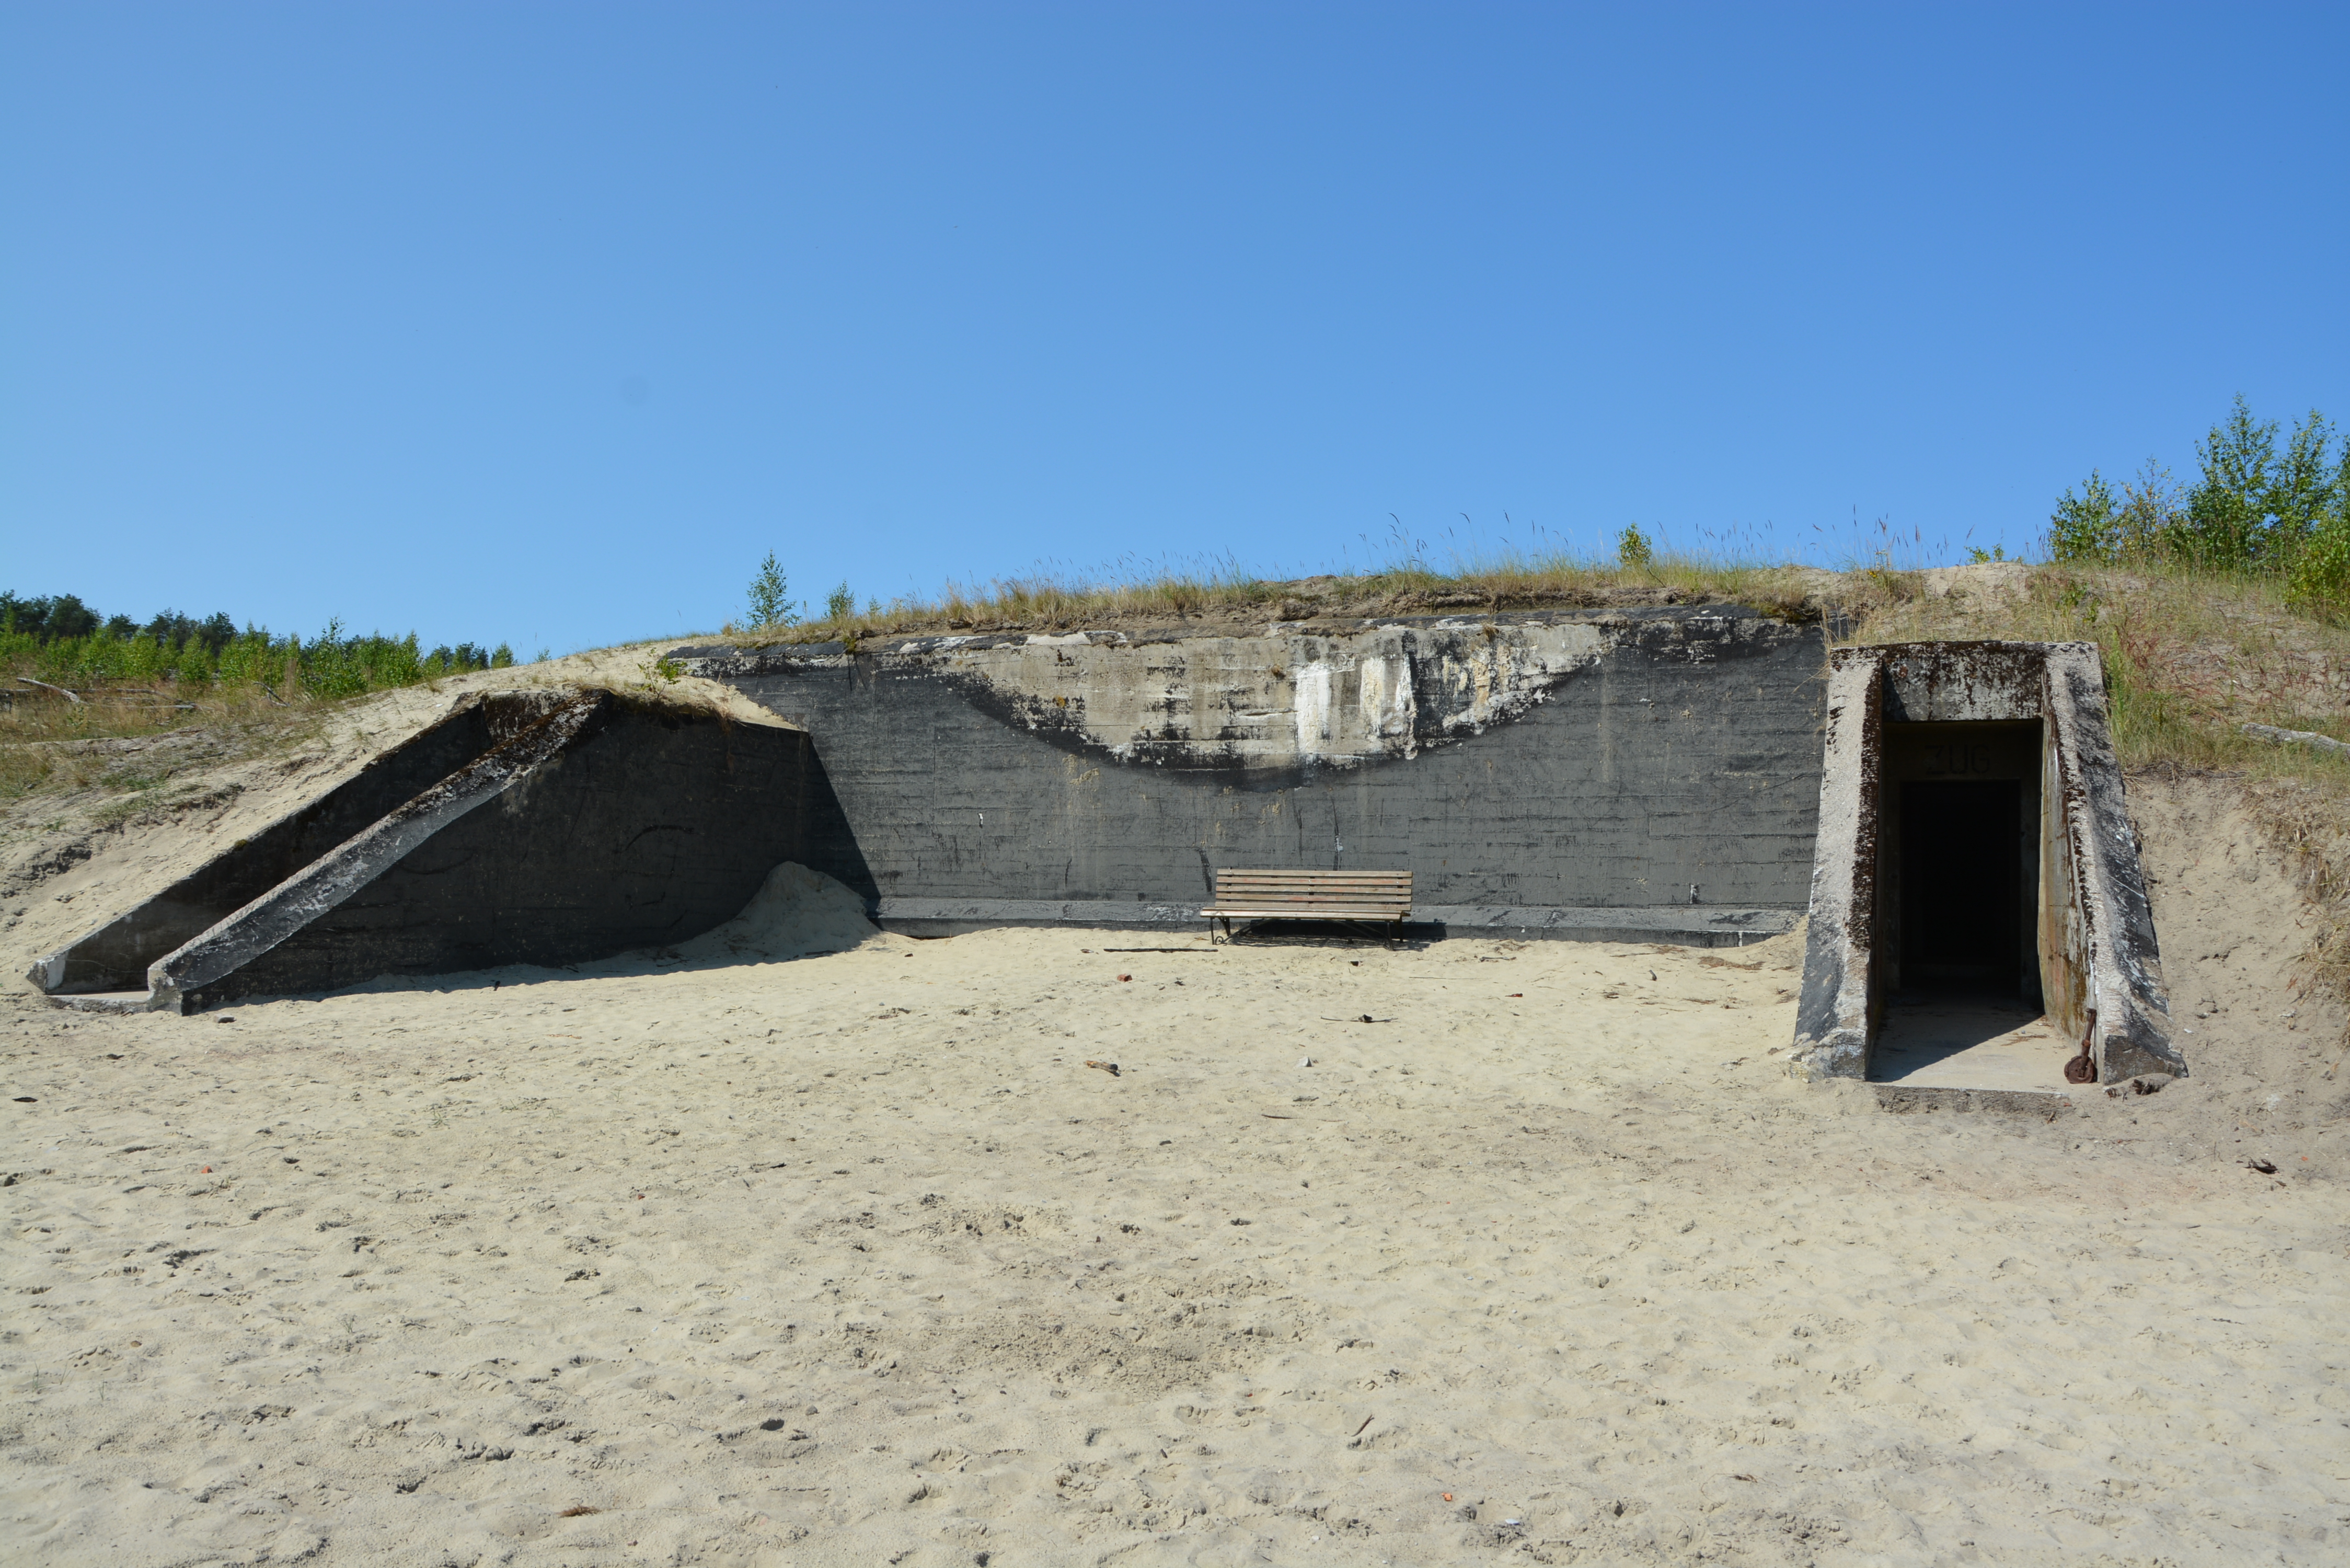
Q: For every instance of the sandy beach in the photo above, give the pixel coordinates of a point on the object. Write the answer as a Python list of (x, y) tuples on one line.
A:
[(730, 1255)]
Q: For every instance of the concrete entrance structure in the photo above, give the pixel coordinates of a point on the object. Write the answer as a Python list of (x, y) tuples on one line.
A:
[(2003, 750)]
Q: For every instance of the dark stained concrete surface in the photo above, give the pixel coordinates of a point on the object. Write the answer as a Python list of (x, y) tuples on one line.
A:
[(1666, 758)]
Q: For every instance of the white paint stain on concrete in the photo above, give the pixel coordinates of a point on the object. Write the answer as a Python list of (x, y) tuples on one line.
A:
[(1310, 693), (1385, 698)]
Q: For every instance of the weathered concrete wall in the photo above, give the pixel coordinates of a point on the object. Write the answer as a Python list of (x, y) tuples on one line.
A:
[(2128, 1025), (182, 978), (1518, 766)]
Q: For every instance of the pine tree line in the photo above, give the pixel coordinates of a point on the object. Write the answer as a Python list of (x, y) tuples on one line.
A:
[(63, 640)]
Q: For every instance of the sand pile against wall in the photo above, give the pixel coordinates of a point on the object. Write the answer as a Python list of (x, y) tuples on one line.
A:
[(796, 912)]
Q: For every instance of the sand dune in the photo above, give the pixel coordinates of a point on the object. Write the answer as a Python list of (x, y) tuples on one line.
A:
[(723, 1257)]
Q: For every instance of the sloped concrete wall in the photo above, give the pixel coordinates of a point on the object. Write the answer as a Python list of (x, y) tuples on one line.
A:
[(651, 827), (115, 957), (1531, 762)]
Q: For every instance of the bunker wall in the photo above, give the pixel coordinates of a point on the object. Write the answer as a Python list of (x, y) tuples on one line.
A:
[(1535, 764)]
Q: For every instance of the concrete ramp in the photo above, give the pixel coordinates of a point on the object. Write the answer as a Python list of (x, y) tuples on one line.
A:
[(548, 827)]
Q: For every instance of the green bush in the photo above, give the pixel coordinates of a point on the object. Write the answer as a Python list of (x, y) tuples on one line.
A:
[(2320, 576), (2087, 526)]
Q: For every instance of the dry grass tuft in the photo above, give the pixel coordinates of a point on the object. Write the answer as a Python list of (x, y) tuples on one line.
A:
[(2312, 825)]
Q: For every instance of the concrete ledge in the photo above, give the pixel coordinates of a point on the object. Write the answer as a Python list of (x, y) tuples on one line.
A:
[(1683, 925), (2130, 1016), (106, 1001), (1910, 1100)]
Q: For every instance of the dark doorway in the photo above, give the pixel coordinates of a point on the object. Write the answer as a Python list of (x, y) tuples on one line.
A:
[(1961, 903)]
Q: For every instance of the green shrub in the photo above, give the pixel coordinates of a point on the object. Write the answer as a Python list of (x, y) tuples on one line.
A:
[(2319, 579), (65, 642), (2087, 526)]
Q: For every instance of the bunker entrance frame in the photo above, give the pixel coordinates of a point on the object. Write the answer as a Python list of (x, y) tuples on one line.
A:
[(1914, 727)]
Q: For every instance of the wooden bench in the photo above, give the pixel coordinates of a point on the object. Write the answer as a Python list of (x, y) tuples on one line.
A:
[(1381, 895)]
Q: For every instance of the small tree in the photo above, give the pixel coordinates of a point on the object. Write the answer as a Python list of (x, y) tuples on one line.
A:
[(839, 604), (2302, 491), (771, 602), (2227, 512), (70, 617), (2320, 576), (2150, 511), (1633, 551)]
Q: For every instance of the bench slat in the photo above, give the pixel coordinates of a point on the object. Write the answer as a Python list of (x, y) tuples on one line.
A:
[(1301, 871), (1229, 894), (1315, 899), (1386, 912), (1365, 890), (1314, 876), (1381, 903), (1368, 896)]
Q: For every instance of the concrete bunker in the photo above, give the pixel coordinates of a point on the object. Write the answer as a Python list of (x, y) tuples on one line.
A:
[(551, 826), (1979, 911), (1641, 775), (1656, 775)]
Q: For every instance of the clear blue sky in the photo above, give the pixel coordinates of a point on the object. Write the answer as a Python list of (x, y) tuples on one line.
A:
[(544, 322)]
